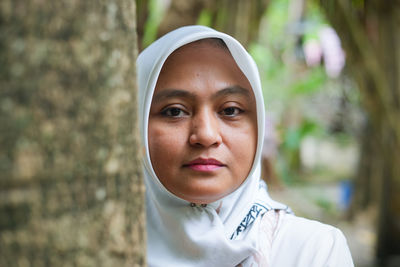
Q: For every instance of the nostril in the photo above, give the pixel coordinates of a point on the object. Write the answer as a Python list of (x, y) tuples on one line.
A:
[(196, 139)]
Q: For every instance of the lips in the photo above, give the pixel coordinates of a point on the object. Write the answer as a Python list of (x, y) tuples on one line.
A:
[(204, 165)]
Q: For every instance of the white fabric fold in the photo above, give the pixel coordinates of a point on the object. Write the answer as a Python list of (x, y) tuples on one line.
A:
[(179, 234)]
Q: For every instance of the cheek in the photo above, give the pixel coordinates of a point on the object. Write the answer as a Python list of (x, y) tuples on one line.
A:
[(242, 138), (245, 146), (242, 143), (164, 145)]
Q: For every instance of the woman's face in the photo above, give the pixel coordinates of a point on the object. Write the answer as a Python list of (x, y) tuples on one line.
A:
[(203, 123)]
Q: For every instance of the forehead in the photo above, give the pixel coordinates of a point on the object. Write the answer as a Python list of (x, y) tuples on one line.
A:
[(205, 60), (209, 46)]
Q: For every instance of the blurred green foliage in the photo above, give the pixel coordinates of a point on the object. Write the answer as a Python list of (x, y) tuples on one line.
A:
[(205, 18), (276, 48), (156, 13), (288, 83)]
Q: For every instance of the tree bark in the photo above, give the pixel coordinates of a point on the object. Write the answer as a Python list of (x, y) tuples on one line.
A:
[(71, 192), (370, 32), (239, 18)]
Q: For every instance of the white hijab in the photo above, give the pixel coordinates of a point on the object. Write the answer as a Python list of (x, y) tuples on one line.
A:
[(183, 234)]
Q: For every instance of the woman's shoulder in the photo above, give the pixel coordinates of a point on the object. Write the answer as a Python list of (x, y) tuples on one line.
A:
[(302, 242), (301, 230)]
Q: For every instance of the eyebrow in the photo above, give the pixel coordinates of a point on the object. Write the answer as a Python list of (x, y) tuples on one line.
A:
[(170, 93), (231, 90)]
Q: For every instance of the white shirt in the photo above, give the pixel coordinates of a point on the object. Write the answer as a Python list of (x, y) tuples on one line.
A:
[(299, 242)]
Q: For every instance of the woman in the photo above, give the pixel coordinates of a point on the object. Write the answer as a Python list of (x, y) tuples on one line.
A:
[(202, 126)]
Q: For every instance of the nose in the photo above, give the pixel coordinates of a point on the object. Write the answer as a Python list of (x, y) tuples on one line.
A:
[(205, 130)]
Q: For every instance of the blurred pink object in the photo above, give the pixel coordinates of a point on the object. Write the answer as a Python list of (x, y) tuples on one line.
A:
[(334, 56), (312, 53), (327, 47)]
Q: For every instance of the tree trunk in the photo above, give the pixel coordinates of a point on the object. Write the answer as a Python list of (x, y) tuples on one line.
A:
[(239, 18), (370, 32), (71, 192)]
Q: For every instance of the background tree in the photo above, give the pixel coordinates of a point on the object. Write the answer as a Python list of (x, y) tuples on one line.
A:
[(239, 18), (70, 189), (370, 32)]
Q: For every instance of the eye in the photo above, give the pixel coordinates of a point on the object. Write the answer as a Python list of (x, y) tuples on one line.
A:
[(231, 111), (173, 112)]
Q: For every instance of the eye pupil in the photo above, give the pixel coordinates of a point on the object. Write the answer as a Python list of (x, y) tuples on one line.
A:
[(175, 111), (229, 111)]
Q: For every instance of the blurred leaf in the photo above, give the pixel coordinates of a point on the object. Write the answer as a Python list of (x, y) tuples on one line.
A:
[(205, 18), (311, 83), (293, 136), (156, 13)]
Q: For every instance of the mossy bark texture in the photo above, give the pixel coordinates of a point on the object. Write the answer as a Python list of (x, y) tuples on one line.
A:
[(71, 192)]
